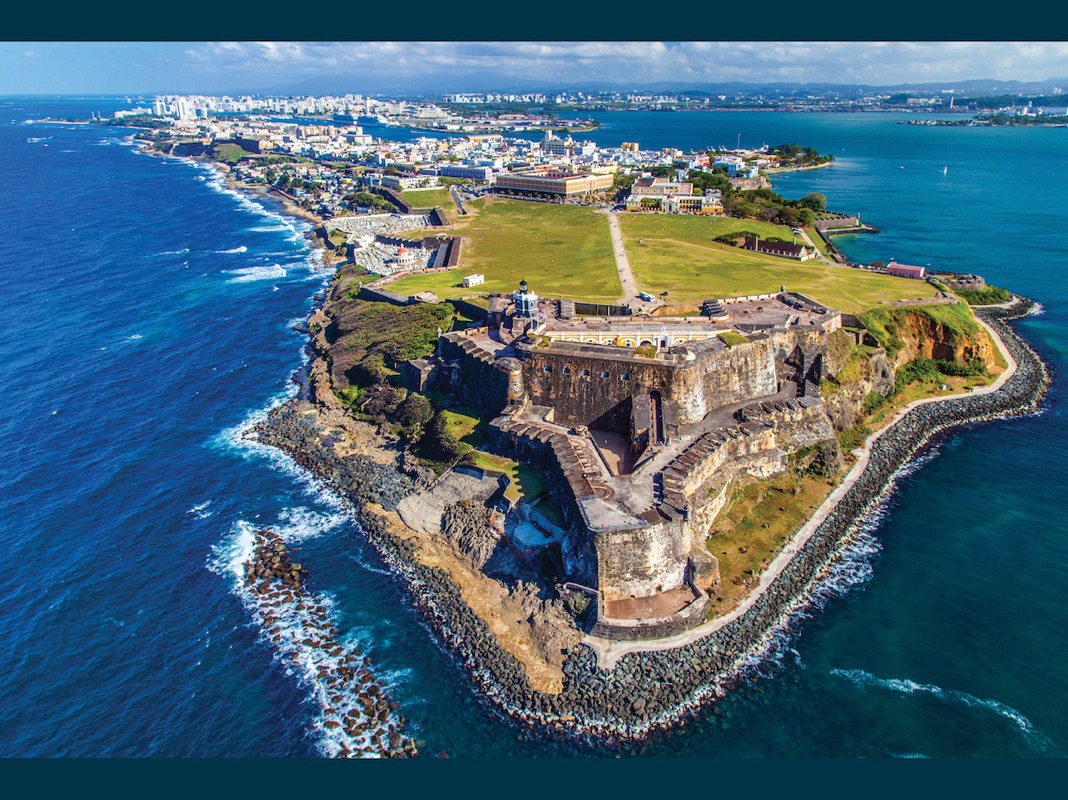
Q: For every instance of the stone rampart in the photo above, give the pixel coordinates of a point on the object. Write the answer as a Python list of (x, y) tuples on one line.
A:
[(641, 561), (659, 628), (713, 451), (593, 386), (482, 381)]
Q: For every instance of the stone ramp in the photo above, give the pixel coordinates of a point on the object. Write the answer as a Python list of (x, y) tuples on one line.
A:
[(422, 510)]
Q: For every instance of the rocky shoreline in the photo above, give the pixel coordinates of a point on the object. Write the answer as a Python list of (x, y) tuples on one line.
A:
[(358, 717), (653, 690)]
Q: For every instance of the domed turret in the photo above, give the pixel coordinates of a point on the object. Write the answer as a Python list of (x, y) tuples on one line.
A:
[(526, 302)]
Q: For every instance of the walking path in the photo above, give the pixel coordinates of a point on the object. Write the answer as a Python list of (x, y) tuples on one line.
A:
[(626, 276), (609, 651)]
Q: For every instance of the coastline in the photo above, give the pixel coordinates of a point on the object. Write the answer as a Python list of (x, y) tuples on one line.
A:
[(650, 689), (657, 687)]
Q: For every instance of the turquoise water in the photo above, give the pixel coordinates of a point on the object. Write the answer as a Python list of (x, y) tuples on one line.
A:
[(148, 319)]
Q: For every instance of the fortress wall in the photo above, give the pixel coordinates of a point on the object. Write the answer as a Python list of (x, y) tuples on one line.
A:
[(705, 513), (580, 399), (479, 381), (637, 630), (713, 379), (640, 562), (798, 354), (723, 377), (732, 450)]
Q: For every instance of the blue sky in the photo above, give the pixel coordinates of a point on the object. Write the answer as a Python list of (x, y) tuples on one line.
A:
[(210, 67)]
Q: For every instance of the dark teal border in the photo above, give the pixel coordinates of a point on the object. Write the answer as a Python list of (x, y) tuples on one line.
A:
[(504, 20)]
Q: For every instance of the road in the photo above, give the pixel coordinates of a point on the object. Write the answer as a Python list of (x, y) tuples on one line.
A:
[(819, 255), (626, 276)]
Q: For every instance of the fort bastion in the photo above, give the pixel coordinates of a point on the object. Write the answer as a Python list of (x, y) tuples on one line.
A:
[(645, 424)]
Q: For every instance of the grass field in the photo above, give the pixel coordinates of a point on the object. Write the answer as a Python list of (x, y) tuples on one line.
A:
[(749, 533), (677, 254), (527, 483), (562, 251), (428, 198)]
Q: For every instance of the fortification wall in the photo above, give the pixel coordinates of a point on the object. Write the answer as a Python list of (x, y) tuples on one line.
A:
[(593, 388), (696, 465), (638, 562), (481, 381)]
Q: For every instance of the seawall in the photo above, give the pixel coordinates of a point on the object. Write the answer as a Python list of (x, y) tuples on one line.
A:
[(653, 689)]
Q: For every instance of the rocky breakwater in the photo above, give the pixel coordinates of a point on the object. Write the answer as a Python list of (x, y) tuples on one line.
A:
[(650, 690), (357, 718)]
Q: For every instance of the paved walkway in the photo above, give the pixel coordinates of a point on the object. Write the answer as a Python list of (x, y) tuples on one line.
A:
[(609, 652), (819, 254), (626, 275)]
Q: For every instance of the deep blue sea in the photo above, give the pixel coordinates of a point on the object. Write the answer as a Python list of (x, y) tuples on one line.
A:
[(146, 321)]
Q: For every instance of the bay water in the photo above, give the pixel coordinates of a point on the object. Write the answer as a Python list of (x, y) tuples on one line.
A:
[(148, 317)]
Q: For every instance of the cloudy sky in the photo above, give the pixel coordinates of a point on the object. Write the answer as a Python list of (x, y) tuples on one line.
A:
[(209, 67)]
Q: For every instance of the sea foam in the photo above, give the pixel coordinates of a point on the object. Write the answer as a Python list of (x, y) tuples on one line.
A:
[(864, 679), (249, 274)]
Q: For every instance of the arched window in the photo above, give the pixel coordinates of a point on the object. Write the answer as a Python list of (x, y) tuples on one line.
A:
[(604, 374)]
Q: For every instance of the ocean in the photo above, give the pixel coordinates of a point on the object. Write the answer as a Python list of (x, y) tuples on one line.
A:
[(149, 319)]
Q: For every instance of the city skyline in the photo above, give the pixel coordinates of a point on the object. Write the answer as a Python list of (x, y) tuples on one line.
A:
[(428, 66)]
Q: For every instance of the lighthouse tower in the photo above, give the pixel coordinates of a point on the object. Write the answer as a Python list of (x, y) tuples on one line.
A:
[(526, 302)]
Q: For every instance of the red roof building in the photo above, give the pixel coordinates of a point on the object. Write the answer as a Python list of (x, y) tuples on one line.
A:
[(906, 271)]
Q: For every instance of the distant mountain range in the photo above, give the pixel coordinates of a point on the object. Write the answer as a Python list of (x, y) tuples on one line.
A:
[(435, 86)]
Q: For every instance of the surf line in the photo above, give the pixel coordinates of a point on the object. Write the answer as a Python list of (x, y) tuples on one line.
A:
[(358, 718)]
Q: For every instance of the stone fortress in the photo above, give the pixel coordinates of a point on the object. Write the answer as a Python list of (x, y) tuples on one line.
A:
[(645, 424)]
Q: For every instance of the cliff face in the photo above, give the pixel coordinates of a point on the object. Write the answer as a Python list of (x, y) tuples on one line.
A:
[(852, 372), (926, 338)]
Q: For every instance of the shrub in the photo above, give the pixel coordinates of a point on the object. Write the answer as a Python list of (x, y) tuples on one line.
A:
[(874, 401), (985, 297), (854, 437)]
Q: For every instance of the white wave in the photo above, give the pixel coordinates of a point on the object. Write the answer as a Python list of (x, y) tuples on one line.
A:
[(1038, 310), (269, 228), (241, 249), (134, 337), (300, 626), (864, 679), (200, 510), (181, 252), (230, 555), (248, 274), (300, 523)]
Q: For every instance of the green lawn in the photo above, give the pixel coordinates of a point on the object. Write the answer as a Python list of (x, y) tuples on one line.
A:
[(562, 251), (677, 254), (527, 482), (465, 425), (428, 198)]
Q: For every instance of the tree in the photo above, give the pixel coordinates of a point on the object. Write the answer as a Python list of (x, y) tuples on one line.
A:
[(412, 416), (815, 201)]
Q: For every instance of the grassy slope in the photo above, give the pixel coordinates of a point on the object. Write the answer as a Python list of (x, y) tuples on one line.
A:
[(561, 250), (678, 255)]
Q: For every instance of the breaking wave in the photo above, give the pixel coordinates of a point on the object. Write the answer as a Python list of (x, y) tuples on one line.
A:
[(866, 680), (249, 274)]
